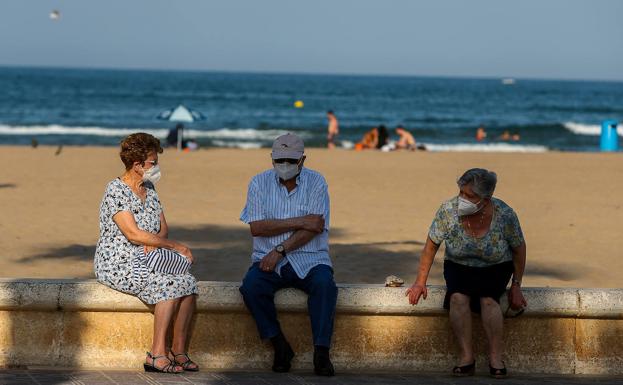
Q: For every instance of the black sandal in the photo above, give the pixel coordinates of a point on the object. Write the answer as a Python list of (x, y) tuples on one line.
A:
[(185, 365), (465, 370), (498, 373), (168, 368)]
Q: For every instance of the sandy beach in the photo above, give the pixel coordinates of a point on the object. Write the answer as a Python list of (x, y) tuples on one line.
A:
[(569, 205)]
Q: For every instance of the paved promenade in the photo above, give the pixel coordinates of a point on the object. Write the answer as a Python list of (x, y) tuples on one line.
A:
[(99, 377)]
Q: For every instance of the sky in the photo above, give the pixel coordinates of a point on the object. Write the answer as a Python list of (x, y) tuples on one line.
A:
[(559, 39)]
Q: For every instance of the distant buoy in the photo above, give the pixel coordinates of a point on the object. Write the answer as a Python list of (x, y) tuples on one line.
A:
[(55, 15), (299, 104)]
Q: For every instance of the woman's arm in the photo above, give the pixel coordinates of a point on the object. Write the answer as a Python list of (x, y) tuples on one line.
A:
[(164, 228), (418, 289), (515, 296), (126, 223), (519, 262)]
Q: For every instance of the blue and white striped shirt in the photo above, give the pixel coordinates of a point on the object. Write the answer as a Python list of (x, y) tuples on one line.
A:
[(269, 199)]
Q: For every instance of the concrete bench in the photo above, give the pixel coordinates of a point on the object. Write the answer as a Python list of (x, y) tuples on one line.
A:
[(80, 323)]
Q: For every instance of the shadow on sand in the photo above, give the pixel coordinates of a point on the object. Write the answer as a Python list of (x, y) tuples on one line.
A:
[(222, 253)]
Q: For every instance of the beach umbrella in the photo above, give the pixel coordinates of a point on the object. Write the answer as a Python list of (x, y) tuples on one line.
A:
[(181, 114)]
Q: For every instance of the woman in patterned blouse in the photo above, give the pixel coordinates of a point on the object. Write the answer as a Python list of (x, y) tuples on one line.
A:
[(132, 224), (484, 248)]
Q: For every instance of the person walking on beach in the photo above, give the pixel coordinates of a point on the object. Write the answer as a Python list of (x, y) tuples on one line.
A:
[(485, 247), (332, 130), (287, 210), (134, 255)]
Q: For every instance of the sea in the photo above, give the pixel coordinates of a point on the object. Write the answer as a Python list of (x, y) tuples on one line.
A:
[(85, 107)]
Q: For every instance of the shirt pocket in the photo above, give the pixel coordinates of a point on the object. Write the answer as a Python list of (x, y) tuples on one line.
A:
[(302, 210)]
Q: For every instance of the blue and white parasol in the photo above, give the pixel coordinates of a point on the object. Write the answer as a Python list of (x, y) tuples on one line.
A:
[(181, 114)]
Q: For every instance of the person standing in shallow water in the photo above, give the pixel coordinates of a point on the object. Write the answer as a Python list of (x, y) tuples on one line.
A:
[(287, 211), (333, 129), (485, 247), (132, 225), (481, 134)]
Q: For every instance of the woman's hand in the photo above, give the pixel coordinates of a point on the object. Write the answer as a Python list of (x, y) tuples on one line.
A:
[(149, 249), (185, 251), (415, 292), (516, 299)]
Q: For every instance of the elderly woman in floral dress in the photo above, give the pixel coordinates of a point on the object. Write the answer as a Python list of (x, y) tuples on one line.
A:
[(132, 225), (485, 247)]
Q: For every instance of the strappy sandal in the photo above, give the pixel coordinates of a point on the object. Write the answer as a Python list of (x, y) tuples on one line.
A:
[(168, 368), (186, 364), (465, 370), (498, 373)]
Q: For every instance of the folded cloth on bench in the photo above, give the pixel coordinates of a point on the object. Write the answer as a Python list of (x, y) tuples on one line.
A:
[(163, 261)]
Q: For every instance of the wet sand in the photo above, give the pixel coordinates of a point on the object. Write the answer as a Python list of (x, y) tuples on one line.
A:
[(570, 206)]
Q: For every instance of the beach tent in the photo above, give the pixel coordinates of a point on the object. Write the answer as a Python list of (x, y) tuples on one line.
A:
[(181, 114)]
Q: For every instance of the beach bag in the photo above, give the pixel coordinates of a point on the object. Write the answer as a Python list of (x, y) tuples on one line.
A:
[(163, 261)]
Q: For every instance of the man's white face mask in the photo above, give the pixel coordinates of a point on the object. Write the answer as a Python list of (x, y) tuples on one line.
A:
[(286, 170)]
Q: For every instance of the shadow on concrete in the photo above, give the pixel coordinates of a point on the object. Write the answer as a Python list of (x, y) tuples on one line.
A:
[(7, 185)]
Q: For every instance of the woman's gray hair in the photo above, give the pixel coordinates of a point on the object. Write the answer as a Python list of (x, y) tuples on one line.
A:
[(483, 181)]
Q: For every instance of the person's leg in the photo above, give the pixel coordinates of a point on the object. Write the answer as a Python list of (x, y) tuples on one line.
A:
[(181, 326), (163, 314), (322, 298), (461, 322), (181, 330), (493, 323), (258, 292)]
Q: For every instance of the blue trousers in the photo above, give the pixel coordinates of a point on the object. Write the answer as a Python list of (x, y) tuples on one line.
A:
[(259, 287)]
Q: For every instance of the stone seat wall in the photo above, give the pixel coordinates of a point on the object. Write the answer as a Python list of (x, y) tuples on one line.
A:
[(80, 323)]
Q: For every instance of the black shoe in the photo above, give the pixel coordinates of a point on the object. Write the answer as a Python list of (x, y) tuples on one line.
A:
[(283, 354), (322, 362), (498, 373), (465, 370)]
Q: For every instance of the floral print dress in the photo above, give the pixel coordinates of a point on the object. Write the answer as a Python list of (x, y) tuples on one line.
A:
[(116, 262), (493, 248)]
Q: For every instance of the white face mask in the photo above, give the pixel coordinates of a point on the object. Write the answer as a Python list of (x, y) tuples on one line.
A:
[(467, 207), (286, 171), (152, 175)]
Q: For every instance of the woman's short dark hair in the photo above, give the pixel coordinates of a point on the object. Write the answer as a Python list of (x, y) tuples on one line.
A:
[(483, 181), (137, 147)]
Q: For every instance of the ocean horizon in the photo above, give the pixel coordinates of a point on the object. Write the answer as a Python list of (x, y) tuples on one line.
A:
[(72, 106)]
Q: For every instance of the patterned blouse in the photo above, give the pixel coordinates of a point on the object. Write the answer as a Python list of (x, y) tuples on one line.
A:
[(493, 248), (116, 262)]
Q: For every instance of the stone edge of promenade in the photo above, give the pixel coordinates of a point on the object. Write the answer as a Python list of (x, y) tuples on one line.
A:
[(88, 295), (81, 323)]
